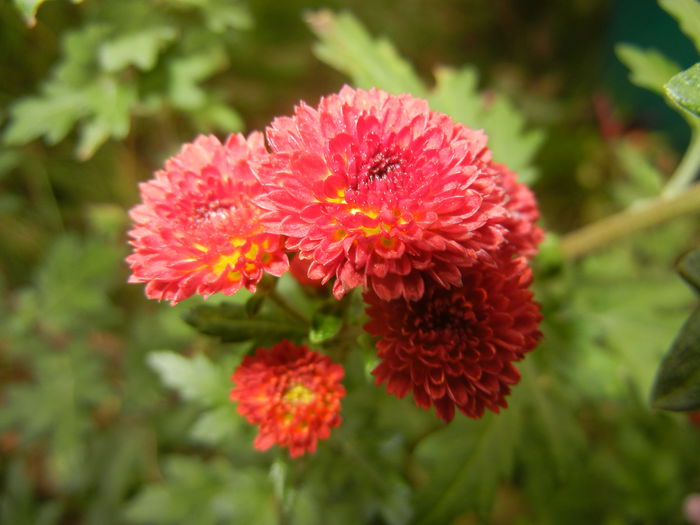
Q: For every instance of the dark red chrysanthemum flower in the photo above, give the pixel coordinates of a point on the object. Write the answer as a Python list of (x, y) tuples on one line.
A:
[(377, 190), (292, 393), (197, 229), (456, 347)]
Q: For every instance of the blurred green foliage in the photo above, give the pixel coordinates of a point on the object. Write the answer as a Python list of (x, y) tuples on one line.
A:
[(115, 410)]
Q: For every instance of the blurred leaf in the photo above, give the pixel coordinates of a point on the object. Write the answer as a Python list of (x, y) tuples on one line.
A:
[(28, 8), (464, 463), (196, 379), (648, 69), (186, 72), (645, 179), (57, 406), (140, 48), (216, 426), (71, 288), (205, 493), (684, 88), (687, 12), (347, 46), (677, 385), (222, 15), (110, 104), (51, 115), (217, 116), (456, 94), (508, 140), (231, 323), (324, 326), (689, 268)]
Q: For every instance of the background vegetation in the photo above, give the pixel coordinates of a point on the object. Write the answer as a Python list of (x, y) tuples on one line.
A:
[(114, 410)]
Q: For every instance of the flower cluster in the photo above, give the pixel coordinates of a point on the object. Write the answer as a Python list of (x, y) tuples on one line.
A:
[(368, 190)]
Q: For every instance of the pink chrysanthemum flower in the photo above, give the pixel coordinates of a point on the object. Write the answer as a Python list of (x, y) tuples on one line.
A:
[(377, 190), (292, 393), (197, 229), (455, 348)]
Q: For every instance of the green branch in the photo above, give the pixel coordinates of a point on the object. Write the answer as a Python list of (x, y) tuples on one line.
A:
[(619, 226)]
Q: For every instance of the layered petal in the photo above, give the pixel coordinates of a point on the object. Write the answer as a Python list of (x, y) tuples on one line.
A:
[(197, 229), (455, 348), (292, 393), (377, 190)]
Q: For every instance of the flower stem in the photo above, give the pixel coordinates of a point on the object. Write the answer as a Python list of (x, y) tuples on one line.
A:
[(687, 169), (283, 305), (605, 231)]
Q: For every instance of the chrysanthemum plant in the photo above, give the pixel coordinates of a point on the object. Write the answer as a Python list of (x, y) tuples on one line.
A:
[(380, 240)]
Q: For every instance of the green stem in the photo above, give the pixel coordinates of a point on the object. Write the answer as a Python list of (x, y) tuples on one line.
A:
[(283, 305), (687, 169), (619, 226)]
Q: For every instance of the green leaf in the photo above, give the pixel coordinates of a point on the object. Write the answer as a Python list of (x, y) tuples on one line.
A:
[(28, 8), (687, 12), (648, 69), (205, 493), (230, 323), (465, 462), (188, 71), (139, 49), (347, 46), (510, 143), (456, 94), (196, 379), (51, 115), (684, 89), (222, 15), (111, 104), (215, 426), (677, 385), (324, 326), (689, 268)]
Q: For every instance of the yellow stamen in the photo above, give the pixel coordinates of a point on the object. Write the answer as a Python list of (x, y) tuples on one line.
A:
[(298, 394)]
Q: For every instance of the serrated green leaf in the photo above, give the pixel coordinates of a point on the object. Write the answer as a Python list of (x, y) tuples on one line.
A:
[(684, 89), (324, 326), (648, 69), (50, 115), (510, 143), (347, 46), (677, 385), (689, 268), (687, 12), (231, 323), (196, 379), (139, 49), (456, 94), (111, 104)]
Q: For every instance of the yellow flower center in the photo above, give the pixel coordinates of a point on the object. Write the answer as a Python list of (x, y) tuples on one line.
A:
[(298, 394)]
